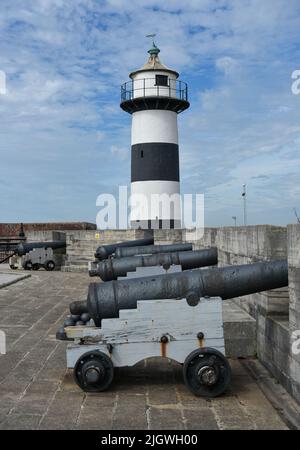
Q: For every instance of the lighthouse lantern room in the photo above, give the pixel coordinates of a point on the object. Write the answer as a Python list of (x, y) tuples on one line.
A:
[(154, 97)]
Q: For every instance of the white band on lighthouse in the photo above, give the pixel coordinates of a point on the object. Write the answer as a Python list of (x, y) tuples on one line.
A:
[(154, 125)]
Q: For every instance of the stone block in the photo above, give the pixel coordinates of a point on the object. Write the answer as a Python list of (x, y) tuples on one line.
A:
[(293, 244), (239, 331)]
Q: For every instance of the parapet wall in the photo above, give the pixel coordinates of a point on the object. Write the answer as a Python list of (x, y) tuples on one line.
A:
[(13, 229), (82, 244), (245, 245), (293, 331)]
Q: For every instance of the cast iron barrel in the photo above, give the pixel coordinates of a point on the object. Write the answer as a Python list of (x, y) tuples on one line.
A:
[(24, 248), (111, 269), (106, 299), (152, 249), (104, 251)]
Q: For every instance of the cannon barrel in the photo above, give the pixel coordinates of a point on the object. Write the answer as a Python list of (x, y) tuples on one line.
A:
[(152, 249), (111, 269), (104, 251), (24, 248), (106, 299)]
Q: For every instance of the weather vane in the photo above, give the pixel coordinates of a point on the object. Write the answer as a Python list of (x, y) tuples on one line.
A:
[(151, 36)]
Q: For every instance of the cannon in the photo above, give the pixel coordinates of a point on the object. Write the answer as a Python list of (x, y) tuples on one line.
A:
[(33, 255), (111, 269), (24, 248), (104, 251), (105, 300), (151, 250)]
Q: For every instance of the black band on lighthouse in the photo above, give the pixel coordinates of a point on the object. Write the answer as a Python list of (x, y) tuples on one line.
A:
[(154, 161)]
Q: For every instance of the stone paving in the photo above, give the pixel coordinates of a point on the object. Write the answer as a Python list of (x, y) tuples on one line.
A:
[(7, 278), (38, 392)]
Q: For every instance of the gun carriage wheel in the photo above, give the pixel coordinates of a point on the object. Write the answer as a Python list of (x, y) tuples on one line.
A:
[(206, 372), (28, 265), (94, 371), (50, 265)]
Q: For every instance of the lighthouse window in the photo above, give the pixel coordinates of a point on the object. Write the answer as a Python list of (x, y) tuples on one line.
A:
[(161, 80), (142, 153)]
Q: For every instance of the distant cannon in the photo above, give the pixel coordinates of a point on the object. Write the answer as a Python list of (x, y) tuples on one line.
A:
[(105, 300), (111, 269), (104, 251), (34, 255), (151, 250), (24, 248)]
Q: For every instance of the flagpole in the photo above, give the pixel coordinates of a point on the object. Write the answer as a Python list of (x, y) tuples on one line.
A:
[(244, 195)]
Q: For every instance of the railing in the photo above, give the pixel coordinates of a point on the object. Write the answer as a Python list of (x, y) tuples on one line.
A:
[(7, 246), (146, 87)]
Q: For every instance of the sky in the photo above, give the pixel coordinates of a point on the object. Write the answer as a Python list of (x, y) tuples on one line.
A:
[(64, 139)]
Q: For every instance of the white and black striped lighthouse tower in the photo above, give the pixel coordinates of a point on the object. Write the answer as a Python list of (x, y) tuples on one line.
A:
[(154, 96)]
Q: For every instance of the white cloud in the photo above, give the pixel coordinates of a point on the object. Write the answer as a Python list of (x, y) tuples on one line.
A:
[(121, 153), (227, 64)]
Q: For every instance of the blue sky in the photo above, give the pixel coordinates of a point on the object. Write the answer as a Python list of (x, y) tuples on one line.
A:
[(64, 139)]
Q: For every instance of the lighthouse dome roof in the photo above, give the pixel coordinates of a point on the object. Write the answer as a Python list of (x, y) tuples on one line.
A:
[(154, 64)]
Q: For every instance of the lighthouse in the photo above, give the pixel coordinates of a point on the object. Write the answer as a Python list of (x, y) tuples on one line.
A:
[(154, 97)]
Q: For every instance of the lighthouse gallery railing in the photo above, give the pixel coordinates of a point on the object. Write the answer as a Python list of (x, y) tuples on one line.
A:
[(141, 88)]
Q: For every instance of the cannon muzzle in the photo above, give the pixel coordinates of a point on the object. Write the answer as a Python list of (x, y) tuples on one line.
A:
[(111, 269), (24, 248), (152, 250), (104, 251), (105, 300)]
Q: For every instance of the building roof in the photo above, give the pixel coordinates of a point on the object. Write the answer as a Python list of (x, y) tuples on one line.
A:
[(154, 63)]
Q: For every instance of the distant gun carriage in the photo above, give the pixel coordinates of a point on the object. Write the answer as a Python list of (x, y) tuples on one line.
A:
[(36, 255)]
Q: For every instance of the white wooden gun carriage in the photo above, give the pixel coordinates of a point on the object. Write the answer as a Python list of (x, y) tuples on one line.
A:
[(192, 336), (35, 259)]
